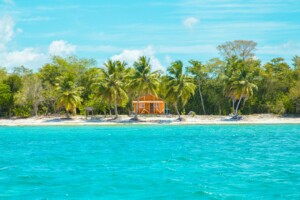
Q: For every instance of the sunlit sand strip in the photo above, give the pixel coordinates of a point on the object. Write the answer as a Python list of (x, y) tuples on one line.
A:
[(149, 120)]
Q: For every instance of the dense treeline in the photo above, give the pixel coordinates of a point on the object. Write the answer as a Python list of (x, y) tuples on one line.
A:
[(235, 83)]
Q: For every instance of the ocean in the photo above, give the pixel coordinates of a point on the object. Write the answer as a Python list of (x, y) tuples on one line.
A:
[(150, 162)]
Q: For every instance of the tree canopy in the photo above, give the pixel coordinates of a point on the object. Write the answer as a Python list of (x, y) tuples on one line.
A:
[(237, 82)]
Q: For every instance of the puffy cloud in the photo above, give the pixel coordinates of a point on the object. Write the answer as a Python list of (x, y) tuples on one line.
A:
[(34, 57), (28, 57), (6, 31), (61, 48), (130, 56), (190, 22), (9, 59)]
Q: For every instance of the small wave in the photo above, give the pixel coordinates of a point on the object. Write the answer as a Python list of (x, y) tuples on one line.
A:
[(171, 169), (7, 167)]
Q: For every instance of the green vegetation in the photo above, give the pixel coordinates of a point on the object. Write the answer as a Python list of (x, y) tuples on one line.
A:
[(179, 86), (143, 81), (110, 85), (237, 83), (68, 94)]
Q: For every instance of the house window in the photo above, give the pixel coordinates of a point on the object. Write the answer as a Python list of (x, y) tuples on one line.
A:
[(142, 105)]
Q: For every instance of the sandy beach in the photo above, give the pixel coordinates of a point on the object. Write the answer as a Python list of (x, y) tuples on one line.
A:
[(164, 120)]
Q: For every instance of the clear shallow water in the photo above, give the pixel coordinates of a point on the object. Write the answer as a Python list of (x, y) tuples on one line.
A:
[(150, 162)]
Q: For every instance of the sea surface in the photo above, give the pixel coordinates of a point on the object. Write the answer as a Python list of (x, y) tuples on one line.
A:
[(150, 162)]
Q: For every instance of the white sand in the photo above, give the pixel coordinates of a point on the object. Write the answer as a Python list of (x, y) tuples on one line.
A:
[(125, 120)]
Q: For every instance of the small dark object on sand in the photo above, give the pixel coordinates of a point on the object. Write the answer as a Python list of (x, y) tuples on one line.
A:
[(236, 117)]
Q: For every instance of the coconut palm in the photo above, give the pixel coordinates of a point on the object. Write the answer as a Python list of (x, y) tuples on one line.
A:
[(241, 89), (143, 81), (111, 85), (239, 86), (198, 71), (179, 86), (68, 94)]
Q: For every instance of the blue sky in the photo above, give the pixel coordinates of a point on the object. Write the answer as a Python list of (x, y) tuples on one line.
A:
[(32, 31)]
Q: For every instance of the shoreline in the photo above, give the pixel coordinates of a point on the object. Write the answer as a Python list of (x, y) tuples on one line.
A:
[(124, 120)]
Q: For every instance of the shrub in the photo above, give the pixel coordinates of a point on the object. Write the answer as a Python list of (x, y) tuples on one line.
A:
[(22, 111)]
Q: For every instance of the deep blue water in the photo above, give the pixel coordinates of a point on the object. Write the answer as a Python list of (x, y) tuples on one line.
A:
[(150, 162)]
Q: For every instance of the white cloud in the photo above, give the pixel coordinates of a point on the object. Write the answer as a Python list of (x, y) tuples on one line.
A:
[(61, 48), (287, 49), (190, 22), (34, 58), (130, 56), (6, 31), (28, 57)]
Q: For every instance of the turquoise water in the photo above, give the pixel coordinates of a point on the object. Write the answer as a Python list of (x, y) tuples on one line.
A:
[(150, 162)]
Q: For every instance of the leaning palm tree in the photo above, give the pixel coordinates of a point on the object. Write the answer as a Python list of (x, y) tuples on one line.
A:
[(179, 86), (238, 81), (68, 94), (198, 71), (241, 89), (143, 80), (111, 85)]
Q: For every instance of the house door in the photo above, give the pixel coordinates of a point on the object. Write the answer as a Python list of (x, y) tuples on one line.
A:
[(151, 108)]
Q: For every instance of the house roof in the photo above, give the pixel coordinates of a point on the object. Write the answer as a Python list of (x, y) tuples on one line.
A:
[(145, 101), (150, 98)]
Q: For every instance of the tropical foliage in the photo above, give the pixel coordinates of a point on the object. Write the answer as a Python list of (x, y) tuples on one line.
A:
[(143, 80), (111, 84), (237, 82), (179, 86), (68, 94)]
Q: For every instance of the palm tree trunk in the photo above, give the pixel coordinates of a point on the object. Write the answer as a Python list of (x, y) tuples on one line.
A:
[(109, 106), (233, 103), (176, 108), (35, 108), (237, 107), (54, 106), (128, 110), (116, 109), (68, 114), (200, 93), (297, 106), (137, 107)]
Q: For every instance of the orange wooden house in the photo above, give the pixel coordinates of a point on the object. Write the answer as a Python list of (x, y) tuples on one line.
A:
[(149, 104)]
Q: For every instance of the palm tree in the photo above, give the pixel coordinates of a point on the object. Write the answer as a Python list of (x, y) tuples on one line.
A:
[(143, 80), (198, 70), (239, 85), (241, 89), (111, 85), (68, 94), (179, 86)]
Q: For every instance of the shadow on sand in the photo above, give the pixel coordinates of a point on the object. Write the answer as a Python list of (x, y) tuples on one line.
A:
[(59, 120)]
